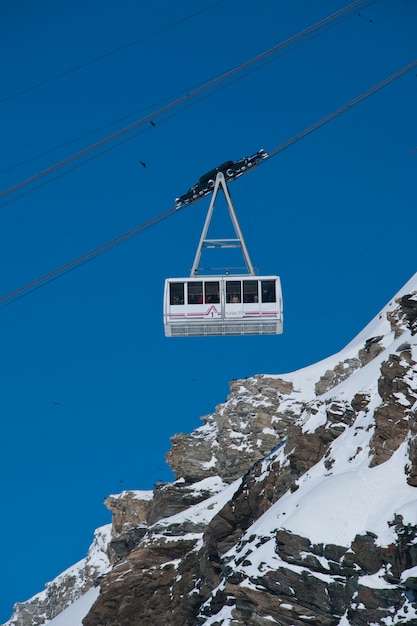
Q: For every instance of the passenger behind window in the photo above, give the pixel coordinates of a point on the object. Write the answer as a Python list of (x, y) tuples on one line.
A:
[(212, 298)]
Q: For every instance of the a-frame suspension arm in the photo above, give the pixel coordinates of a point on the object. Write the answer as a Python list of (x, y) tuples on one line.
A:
[(222, 243)]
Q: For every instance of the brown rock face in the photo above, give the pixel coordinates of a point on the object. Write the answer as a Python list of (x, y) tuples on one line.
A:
[(340, 372), (129, 510), (411, 469), (404, 314), (393, 416), (141, 590), (129, 517), (170, 499), (320, 583), (408, 304)]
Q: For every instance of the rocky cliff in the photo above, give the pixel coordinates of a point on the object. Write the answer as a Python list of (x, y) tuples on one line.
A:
[(293, 503)]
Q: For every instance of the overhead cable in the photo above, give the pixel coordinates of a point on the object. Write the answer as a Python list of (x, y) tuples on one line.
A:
[(88, 256), (179, 101), (166, 117), (342, 109)]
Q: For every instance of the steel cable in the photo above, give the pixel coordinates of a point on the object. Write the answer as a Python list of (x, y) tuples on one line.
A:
[(206, 86)]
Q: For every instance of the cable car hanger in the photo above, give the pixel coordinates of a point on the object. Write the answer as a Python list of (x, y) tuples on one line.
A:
[(239, 242), (230, 169)]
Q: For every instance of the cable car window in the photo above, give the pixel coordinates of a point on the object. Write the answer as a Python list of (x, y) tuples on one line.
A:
[(195, 292), (212, 292), (250, 291), (268, 291), (176, 293), (233, 291)]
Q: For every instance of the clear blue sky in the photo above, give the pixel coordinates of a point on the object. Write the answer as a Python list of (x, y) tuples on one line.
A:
[(91, 390)]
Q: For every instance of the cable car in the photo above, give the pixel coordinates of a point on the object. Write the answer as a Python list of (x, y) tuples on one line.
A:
[(223, 305), (226, 304)]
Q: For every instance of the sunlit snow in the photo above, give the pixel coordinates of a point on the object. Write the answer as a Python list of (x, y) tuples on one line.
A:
[(74, 614)]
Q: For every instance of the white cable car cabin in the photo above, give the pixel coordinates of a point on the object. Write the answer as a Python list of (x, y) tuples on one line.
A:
[(223, 305), (228, 304)]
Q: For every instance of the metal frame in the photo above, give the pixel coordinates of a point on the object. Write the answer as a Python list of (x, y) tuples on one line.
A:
[(239, 242)]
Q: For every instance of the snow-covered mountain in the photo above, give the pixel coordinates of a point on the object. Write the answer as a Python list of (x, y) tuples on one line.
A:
[(293, 504)]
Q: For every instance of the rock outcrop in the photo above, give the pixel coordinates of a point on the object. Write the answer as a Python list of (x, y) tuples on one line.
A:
[(241, 431)]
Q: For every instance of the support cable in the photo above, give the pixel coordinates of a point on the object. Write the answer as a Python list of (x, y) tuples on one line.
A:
[(88, 256), (206, 86), (161, 120), (165, 118), (342, 109)]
